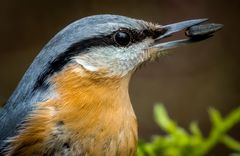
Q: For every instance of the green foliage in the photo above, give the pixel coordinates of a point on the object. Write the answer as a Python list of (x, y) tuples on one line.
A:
[(180, 142)]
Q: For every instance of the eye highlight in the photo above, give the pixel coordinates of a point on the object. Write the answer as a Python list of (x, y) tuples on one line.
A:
[(122, 37)]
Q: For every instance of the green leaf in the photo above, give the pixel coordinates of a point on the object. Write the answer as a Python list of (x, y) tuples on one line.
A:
[(232, 119), (231, 143), (178, 142), (215, 117), (163, 120), (195, 130)]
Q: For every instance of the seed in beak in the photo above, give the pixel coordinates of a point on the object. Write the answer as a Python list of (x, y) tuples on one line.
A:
[(202, 30)]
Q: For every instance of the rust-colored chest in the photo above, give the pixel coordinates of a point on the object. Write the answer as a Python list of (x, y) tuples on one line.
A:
[(88, 116)]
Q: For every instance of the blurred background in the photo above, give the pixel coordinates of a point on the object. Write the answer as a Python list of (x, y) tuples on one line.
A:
[(188, 81)]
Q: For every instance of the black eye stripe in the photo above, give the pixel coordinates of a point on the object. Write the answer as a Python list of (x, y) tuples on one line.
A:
[(137, 35)]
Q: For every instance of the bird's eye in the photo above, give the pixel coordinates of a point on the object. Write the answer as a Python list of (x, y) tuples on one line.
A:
[(122, 38)]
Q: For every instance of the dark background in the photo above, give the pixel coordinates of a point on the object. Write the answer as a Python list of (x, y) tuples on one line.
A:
[(188, 81)]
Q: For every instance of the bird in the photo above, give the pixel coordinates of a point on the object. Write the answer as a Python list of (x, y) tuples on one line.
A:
[(74, 99)]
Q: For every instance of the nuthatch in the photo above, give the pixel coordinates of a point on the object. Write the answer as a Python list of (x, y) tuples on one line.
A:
[(73, 99)]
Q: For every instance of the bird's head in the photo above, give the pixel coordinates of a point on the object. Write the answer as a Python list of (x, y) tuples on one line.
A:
[(117, 45), (111, 45)]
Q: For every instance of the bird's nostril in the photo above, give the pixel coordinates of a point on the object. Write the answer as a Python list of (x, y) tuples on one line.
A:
[(146, 32), (158, 32)]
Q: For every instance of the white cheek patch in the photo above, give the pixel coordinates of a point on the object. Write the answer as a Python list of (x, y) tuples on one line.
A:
[(86, 65), (116, 61)]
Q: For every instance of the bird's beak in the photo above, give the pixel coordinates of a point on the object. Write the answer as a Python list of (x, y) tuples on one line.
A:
[(195, 30)]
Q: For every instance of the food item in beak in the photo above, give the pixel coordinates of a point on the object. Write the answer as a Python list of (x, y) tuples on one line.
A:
[(202, 30)]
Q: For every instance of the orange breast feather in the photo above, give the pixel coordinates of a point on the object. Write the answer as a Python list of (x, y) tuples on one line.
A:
[(90, 115)]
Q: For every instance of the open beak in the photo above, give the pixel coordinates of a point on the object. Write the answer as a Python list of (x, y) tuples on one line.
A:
[(195, 30)]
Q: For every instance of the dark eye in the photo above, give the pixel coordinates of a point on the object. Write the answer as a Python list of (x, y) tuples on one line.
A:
[(122, 38)]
